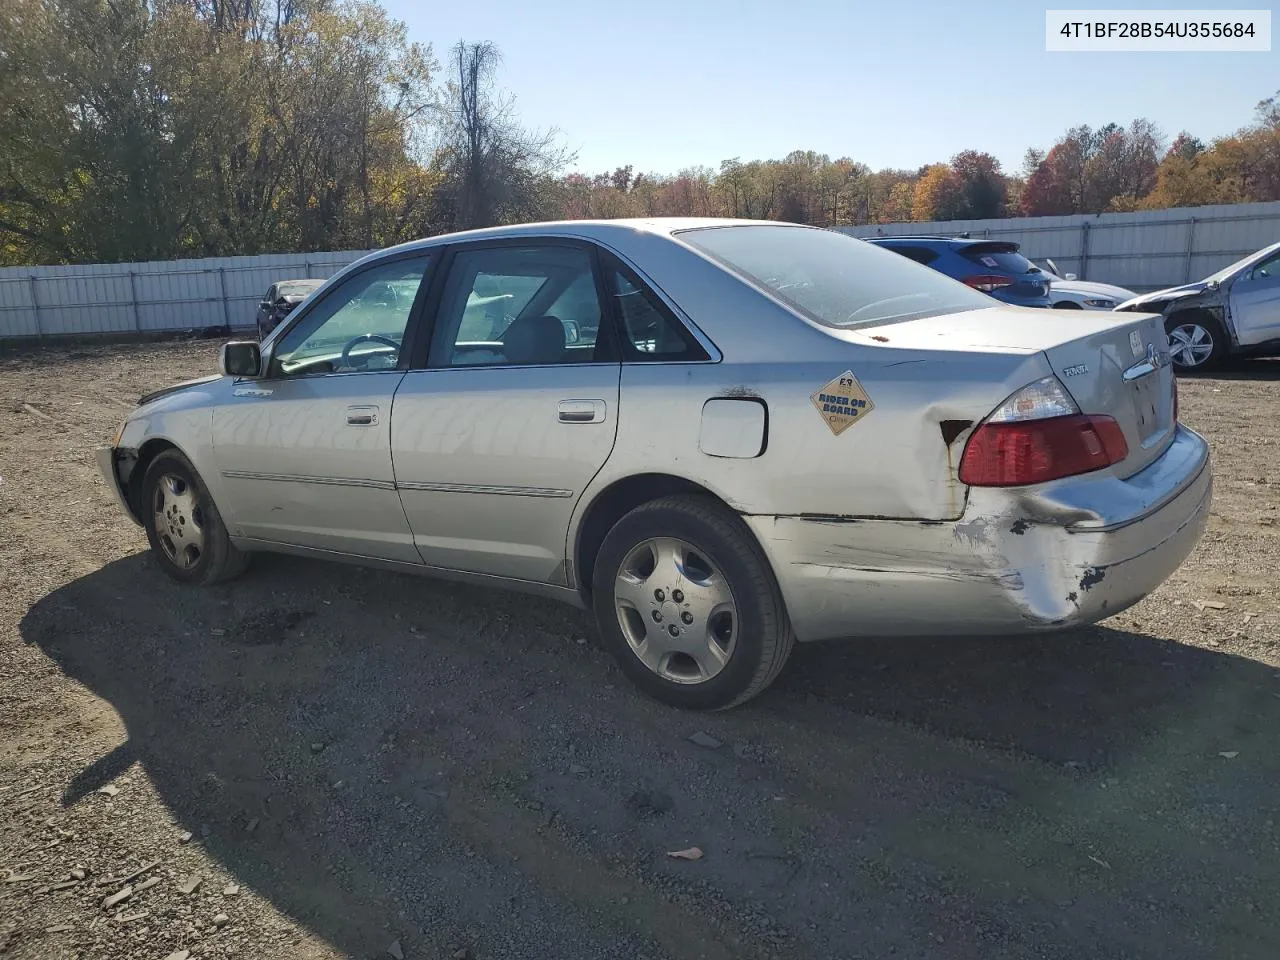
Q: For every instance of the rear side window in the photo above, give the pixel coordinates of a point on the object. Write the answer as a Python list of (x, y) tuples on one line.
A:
[(650, 331), (918, 254), (998, 256), (832, 278)]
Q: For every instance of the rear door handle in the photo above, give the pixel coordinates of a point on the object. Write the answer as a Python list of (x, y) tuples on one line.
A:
[(362, 416), (581, 411)]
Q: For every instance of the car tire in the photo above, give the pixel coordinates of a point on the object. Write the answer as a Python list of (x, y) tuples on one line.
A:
[(184, 527), (1196, 342), (688, 605), (1067, 305)]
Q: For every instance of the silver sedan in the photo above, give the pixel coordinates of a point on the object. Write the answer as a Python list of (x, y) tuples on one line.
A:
[(720, 436)]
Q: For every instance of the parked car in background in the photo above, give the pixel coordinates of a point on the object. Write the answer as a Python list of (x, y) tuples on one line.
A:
[(765, 433), (1235, 311), (993, 266), (279, 302), (1067, 292)]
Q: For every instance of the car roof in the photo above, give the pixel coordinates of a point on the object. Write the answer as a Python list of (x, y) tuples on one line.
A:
[(602, 230)]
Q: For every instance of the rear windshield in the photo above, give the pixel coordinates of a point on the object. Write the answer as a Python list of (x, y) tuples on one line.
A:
[(999, 256), (833, 278)]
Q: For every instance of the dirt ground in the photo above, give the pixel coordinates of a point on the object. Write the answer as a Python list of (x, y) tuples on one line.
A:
[(356, 764)]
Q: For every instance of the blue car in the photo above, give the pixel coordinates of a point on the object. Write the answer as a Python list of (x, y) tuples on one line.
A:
[(993, 266)]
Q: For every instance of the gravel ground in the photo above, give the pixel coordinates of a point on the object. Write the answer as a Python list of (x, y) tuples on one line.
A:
[(356, 764)]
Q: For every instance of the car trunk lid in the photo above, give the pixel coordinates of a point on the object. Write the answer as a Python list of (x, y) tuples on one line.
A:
[(1113, 364)]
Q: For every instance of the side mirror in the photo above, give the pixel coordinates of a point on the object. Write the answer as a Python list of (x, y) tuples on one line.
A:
[(241, 358), (572, 333), (1069, 276)]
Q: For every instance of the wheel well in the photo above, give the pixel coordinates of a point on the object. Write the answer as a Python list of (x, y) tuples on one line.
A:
[(1067, 305), (133, 482), (1212, 314), (615, 502)]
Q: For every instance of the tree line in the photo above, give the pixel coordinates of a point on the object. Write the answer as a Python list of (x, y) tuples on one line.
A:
[(156, 129)]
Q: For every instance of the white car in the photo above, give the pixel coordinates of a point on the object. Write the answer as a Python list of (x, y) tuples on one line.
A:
[(1068, 293)]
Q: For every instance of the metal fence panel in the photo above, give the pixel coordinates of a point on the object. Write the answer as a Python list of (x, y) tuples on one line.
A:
[(150, 297), (1145, 250)]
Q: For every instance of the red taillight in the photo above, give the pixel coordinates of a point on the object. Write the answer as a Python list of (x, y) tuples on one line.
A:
[(987, 282), (1033, 451)]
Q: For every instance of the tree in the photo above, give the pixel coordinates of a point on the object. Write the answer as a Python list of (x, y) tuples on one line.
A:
[(938, 194), (983, 188), (496, 171)]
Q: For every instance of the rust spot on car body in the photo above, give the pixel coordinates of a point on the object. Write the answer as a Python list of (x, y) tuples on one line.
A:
[(952, 429), (1092, 577)]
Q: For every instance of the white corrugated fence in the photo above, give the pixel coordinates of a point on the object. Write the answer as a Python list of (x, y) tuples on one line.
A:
[(1143, 251), (153, 297)]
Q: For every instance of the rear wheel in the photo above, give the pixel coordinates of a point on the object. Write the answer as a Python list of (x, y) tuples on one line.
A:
[(1196, 342), (688, 605), (183, 525)]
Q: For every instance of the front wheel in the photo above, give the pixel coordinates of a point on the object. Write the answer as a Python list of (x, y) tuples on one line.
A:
[(689, 606), (1067, 305), (183, 525), (1195, 342)]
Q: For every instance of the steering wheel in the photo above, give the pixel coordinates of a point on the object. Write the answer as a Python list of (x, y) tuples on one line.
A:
[(366, 338)]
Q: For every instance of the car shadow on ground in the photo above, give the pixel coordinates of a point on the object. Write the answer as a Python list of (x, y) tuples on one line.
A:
[(454, 767)]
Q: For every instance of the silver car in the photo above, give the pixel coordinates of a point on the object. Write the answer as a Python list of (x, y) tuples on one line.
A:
[(1234, 312), (720, 436)]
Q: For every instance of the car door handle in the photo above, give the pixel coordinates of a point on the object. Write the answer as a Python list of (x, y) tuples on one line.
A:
[(581, 411), (362, 416)]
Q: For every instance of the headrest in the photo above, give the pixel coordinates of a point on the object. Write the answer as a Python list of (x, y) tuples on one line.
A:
[(534, 340)]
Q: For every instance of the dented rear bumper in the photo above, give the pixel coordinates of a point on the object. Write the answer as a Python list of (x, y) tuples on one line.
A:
[(1065, 554)]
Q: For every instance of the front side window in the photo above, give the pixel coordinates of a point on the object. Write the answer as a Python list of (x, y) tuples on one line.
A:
[(833, 278), (1268, 268), (519, 306), (358, 326)]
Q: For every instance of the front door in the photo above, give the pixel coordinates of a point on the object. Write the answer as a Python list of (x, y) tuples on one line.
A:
[(514, 414), (1255, 302), (305, 452)]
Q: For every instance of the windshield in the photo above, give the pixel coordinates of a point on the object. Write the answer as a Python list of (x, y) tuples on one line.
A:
[(832, 278), (1044, 268), (1243, 262), (297, 288)]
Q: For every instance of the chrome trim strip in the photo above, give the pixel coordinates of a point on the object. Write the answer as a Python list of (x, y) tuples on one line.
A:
[(550, 492), (297, 478)]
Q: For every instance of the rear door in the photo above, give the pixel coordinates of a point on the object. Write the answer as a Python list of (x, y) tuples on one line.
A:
[(1255, 302), (514, 412)]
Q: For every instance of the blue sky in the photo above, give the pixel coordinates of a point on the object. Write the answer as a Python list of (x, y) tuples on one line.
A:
[(670, 83)]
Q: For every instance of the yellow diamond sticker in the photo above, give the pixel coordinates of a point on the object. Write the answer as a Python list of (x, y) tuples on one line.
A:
[(842, 402)]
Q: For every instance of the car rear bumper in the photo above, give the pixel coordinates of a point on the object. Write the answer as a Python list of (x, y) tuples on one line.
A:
[(107, 466), (1018, 560)]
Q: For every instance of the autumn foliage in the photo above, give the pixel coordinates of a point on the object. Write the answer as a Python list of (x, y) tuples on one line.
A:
[(189, 128)]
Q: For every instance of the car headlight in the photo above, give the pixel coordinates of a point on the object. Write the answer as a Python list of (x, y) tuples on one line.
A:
[(1100, 302), (120, 432)]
